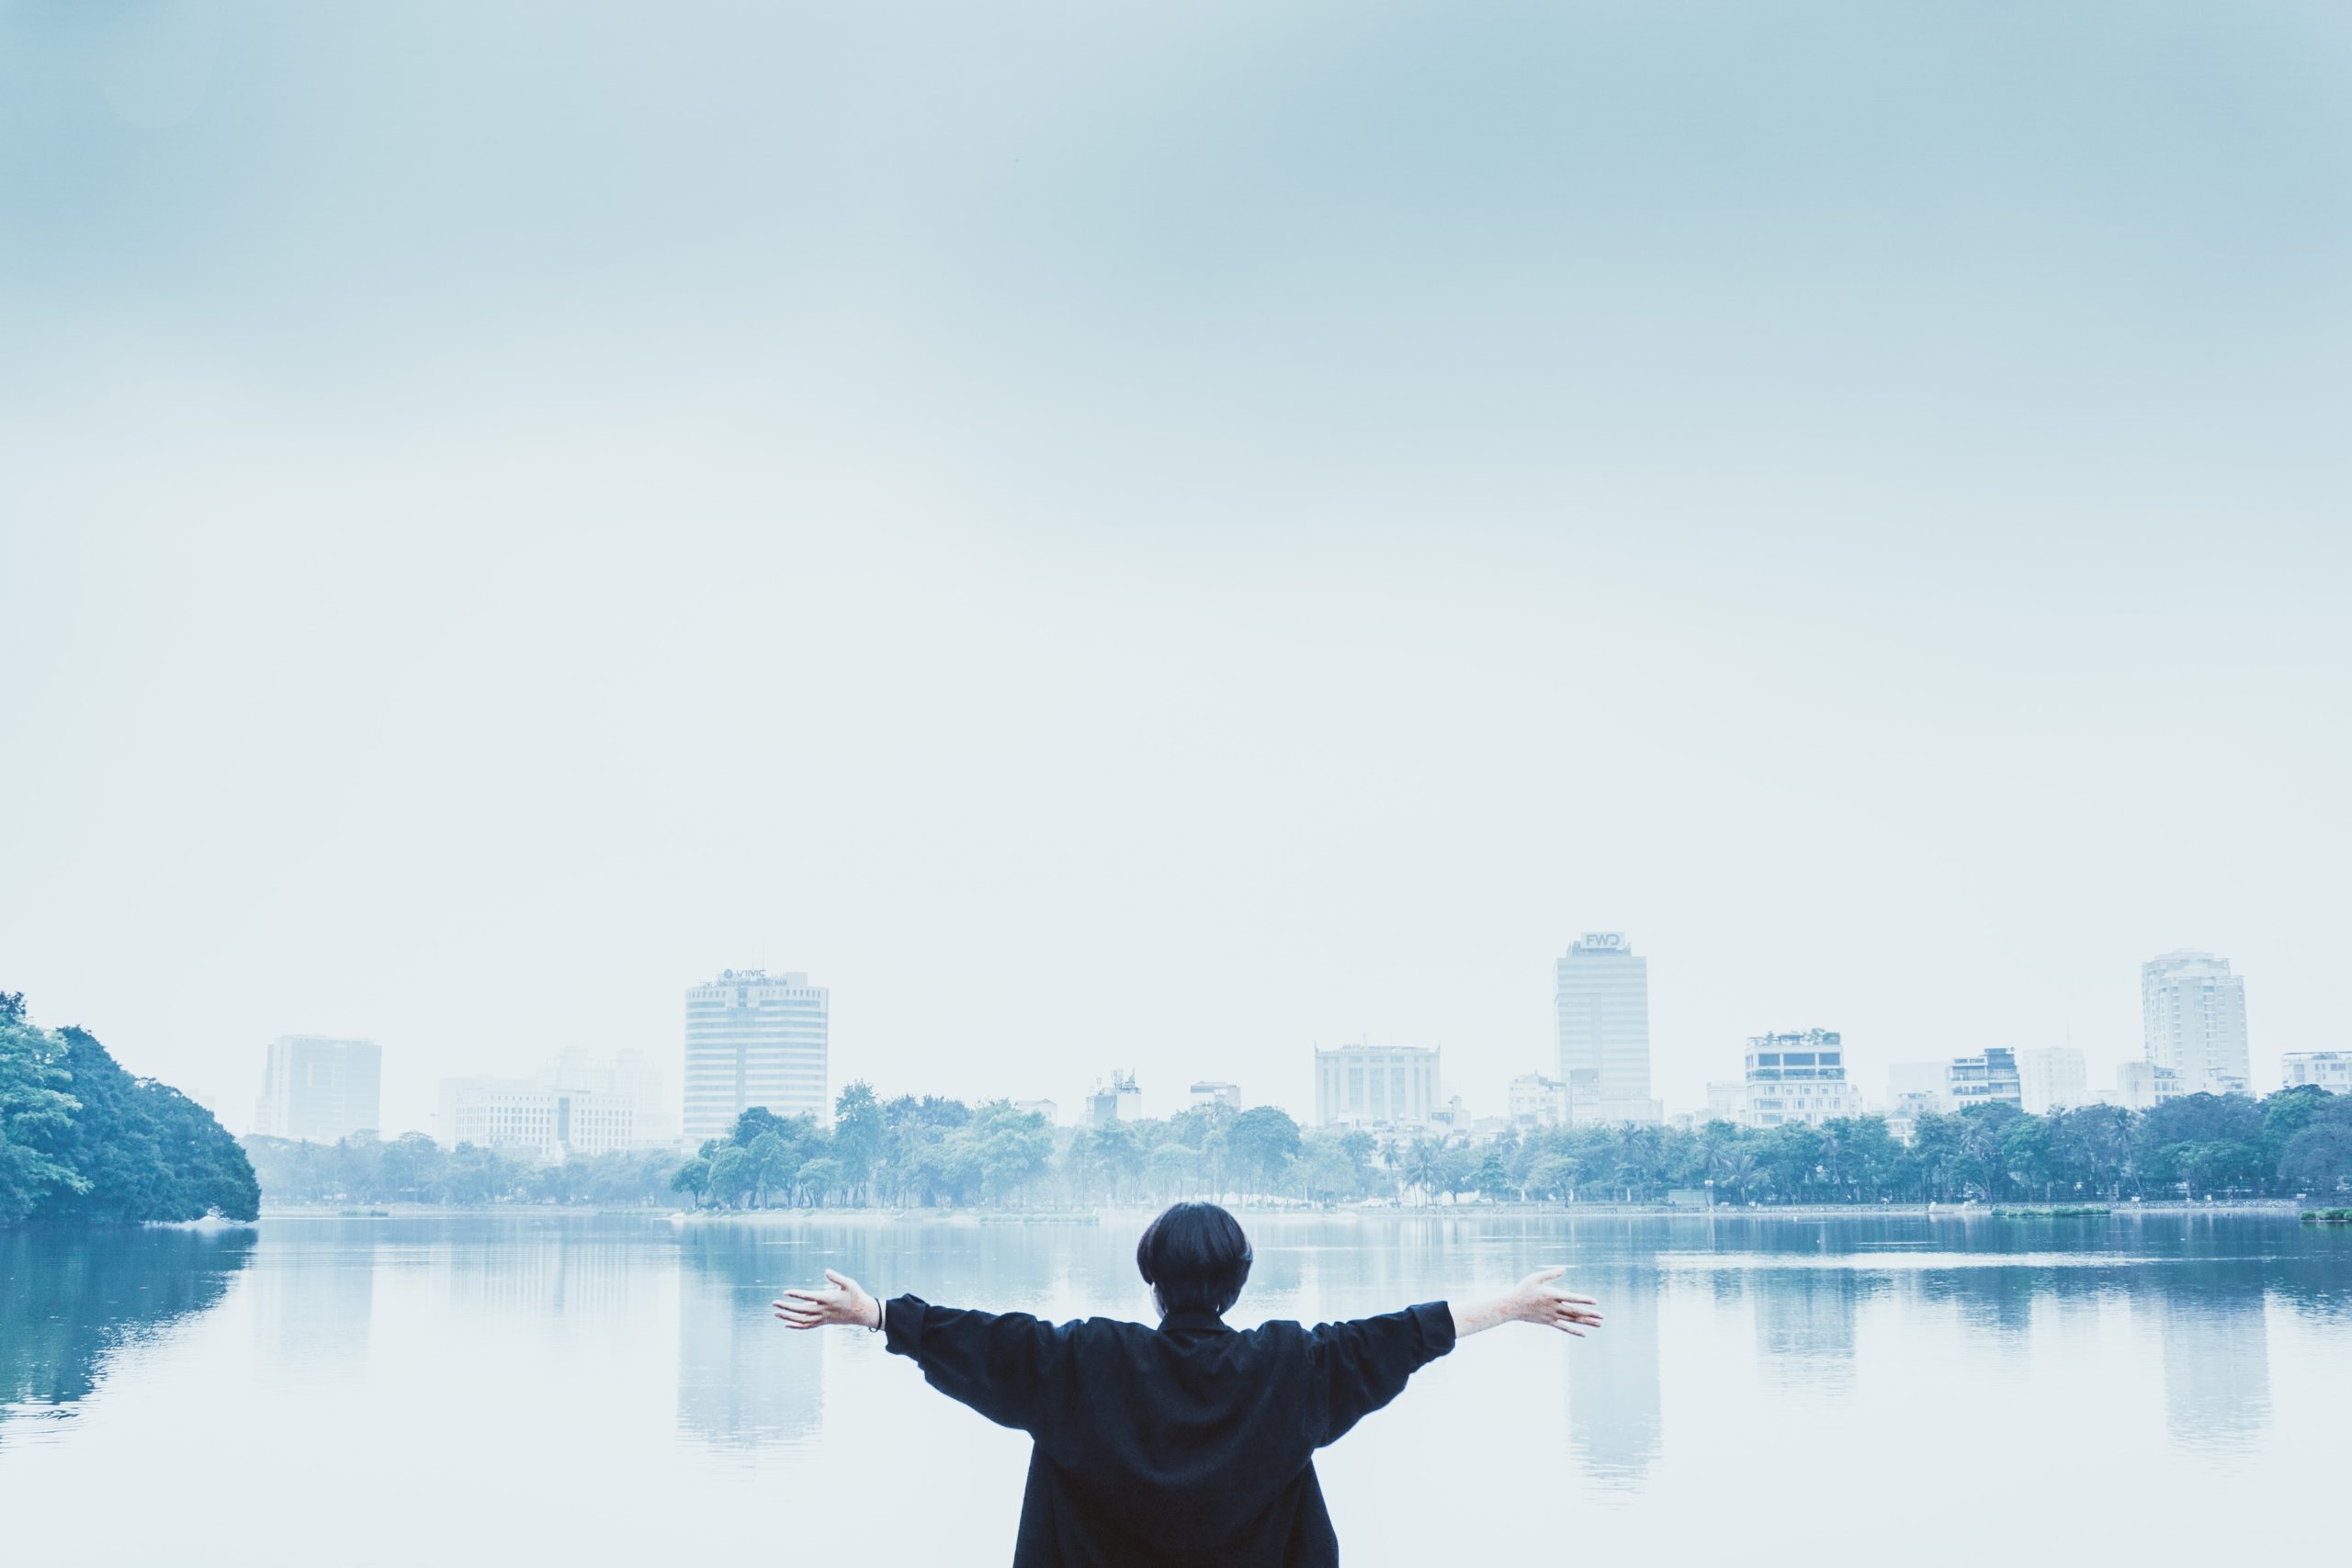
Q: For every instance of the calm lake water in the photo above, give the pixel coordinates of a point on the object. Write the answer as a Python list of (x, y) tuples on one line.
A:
[(487, 1389)]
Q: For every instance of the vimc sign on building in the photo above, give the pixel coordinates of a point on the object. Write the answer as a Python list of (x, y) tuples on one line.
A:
[(753, 1038)]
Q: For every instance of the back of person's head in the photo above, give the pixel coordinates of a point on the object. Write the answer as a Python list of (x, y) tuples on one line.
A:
[(1195, 1258)]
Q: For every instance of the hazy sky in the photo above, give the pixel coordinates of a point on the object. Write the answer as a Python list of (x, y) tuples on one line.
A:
[(1158, 537)]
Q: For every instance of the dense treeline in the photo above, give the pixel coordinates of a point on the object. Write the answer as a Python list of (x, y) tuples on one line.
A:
[(928, 1152), (83, 1142), (412, 1169)]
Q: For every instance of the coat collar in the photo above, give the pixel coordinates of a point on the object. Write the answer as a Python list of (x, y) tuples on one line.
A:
[(1194, 1322)]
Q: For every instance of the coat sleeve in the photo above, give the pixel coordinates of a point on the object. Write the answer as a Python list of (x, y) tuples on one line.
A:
[(1361, 1366), (1002, 1364)]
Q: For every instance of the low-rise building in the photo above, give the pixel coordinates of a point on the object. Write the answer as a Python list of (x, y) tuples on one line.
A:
[(1376, 1085), (521, 1115), (2330, 1070), (2053, 1078), (1796, 1077), (1538, 1101), (1045, 1108), (2144, 1086), (1116, 1100), (1989, 1077), (1207, 1092)]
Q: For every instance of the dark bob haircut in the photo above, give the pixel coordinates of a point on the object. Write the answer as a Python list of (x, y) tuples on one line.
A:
[(1196, 1256)]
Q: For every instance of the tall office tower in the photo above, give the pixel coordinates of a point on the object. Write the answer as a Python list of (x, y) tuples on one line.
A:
[(2054, 1078), (2192, 1019), (753, 1038), (1600, 994), (319, 1090), (1376, 1085)]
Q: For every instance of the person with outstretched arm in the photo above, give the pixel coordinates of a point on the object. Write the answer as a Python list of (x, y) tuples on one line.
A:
[(1188, 1444)]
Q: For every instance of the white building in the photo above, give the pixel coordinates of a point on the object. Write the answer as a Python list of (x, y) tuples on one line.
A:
[(2144, 1086), (319, 1090), (2192, 1021), (2331, 1070), (2053, 1078), (1045, 1108), (524, 1115), (1226, 1094), (1796, 1077), (1919, 1085), (624, 1077), (1538, 1101), (1726, 1100), (1601, 1002), (753, 1038), (1989, 1077), (1118, 1100), (1376, 1085)]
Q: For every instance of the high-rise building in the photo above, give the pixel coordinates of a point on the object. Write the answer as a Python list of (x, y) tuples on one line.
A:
[(753, 1038), (1600, 1000), (1989, 1077), (2053, 1078), (1796, 1077), (2331, 1070), (2192, 1021), (320, 1090), (1376, 1085)]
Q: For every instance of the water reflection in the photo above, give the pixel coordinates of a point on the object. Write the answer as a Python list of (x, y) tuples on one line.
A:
[(743, 1380), (71, 1302), (1616, 1424), (2215, 1336), (1804, 1327)]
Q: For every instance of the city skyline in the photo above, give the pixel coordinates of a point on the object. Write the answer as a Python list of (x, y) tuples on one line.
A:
[(2034, 1077)]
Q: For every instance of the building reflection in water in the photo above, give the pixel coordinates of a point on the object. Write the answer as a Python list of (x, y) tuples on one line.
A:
[(2217, 1368), (1804, 1324), (314, 1291), (744, 1379), (1616, 1423)]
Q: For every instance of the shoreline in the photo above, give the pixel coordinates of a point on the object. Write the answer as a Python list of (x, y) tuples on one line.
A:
[(1262, 1212)]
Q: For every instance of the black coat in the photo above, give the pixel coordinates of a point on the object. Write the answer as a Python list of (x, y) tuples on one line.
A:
[(1164, 1448)]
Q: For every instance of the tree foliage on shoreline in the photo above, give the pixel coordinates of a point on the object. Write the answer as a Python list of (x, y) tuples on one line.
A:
[(84, 1142), (411, 1168), (929, 1152)]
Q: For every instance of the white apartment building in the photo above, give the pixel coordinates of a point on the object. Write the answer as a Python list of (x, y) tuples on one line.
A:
[(1988, 1078), (1118, 1100), (1538, 1101), (1796, 1077), (2143, 1086), (1376, 1085), (1209, 1093), (521, 1115), (2331, 1070), (2054, 1078), (628, 1078), (753, 1038), (319, 1090), (2192, 1021), (1600, 1004)]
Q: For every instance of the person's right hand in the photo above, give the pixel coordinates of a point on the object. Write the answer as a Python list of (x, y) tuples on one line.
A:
[(1538, 1299), (846, 1304)]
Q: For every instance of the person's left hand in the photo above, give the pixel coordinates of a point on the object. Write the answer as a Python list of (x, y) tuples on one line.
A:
[(845, 1304)]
